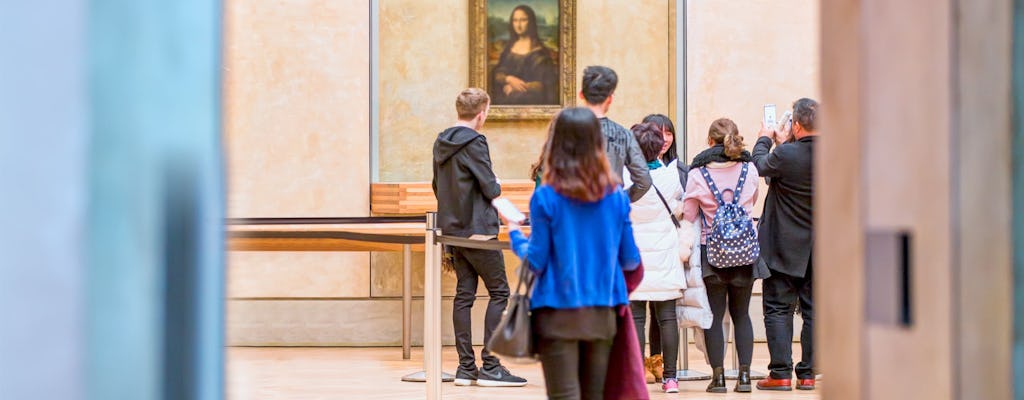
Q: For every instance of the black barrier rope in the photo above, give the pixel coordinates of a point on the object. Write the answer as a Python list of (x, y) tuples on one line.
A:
[(474, 244), (361, 237), (355, 236)]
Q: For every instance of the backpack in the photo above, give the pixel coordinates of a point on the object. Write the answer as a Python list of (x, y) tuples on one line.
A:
[(732, 241)]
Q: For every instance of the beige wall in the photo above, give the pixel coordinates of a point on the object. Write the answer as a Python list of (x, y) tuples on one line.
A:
[(296, 116), (742, 55), (424, 64)]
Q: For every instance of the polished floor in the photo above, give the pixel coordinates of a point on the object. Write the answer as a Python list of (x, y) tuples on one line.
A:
[(374, 373)]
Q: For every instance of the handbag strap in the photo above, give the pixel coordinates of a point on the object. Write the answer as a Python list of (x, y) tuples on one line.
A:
[(527, 276), (675, 221)]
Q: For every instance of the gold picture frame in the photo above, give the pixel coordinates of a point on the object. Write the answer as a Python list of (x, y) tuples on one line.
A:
[(492, 54)]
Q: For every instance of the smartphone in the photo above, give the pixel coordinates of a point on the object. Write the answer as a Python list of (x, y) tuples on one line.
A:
[(508, 210), (769, 115), (787, 120), (787, 125)]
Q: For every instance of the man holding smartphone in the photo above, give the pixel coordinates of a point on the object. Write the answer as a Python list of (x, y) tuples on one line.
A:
[(464, 185), (786, 235)]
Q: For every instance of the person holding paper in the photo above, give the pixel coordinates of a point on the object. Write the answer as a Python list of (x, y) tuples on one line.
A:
[(464, 185)]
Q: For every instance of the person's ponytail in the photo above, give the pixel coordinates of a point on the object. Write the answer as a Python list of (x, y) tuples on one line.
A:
[(723, 131), (733, 145)]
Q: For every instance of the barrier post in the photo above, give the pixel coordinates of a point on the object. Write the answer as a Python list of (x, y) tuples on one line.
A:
[(734, 373), (685, 373), (432, 310), (431, 298), (406, 301)]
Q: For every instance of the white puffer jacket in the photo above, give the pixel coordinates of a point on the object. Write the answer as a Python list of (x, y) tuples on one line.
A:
[(658, 239)]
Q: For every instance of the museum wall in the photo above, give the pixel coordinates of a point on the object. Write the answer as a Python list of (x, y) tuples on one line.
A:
[(742, 55), (425, 64), (297, 131)]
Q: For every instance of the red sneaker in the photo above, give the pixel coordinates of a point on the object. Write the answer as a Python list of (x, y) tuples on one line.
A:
[(805, 384), (770, 383)]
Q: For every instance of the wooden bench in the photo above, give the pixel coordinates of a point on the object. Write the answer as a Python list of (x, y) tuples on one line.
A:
[(416, 198)]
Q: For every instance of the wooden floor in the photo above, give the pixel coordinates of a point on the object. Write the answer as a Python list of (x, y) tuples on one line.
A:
[(374, 373)]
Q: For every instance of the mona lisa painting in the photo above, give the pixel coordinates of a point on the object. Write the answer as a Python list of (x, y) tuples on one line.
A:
[(523, 55)]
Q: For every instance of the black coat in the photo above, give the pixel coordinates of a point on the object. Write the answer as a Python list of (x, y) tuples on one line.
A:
[(786, 228), (464, 183)]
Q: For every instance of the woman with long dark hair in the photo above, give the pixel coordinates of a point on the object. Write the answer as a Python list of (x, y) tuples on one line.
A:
[(526, 72), (654, 227), (667, 154), (581, 210), (668, 131)]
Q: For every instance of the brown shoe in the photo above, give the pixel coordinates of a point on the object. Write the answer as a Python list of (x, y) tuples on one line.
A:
[(658, 367), (805, 384), (648, 375)]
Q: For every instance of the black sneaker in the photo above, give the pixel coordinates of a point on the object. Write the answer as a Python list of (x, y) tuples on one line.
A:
[(499, 377), (465, 378)]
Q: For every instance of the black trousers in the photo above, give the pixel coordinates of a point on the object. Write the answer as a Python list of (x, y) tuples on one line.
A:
[(781, 294), (653, 332), (470, 266), (574, 369), (730, 289), (665, 315)]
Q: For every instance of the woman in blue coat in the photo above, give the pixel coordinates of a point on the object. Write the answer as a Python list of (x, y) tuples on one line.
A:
[(581, 241)]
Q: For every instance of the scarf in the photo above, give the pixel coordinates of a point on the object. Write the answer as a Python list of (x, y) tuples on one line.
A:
[(717, 154), (654, 165)]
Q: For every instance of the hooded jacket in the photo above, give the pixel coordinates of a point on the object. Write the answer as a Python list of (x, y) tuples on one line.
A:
[(464, 183)]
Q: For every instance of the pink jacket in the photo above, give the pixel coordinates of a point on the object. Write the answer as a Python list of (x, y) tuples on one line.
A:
[(725, 175)]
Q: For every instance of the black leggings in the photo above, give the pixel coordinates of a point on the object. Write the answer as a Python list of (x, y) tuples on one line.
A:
[(574, 369), (730, 287), (653, 332), (665, 315)]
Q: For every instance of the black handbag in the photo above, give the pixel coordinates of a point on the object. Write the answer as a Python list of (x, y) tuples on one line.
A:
[(512, 339)]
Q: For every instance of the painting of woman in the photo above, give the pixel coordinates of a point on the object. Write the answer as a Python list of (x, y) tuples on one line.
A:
[(526, 72)]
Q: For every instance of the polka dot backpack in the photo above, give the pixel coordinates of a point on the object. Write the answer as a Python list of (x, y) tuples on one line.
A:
[(732, 241)]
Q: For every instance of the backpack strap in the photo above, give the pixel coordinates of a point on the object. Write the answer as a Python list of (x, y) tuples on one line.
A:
[(711, 184), (675, 221), (739, 186)]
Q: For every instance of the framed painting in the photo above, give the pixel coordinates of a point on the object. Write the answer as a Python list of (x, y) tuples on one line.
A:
[(523, 53)]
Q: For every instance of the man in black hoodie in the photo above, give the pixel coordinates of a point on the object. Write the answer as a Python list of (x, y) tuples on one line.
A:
[(464, 186)]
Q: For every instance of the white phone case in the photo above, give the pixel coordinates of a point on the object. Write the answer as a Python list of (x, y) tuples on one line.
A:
[(769, 115)]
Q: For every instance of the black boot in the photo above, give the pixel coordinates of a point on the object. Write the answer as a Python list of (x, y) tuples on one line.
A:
[(743, 379), (717, 384)]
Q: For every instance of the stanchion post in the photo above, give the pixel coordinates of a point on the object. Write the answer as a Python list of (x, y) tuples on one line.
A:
[(734, 373), (432, 311), (406, 301), (685, 373), (431, 298)]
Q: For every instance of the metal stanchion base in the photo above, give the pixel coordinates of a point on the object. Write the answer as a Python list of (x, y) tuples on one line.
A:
[(422, 377), (732, 374), (691, 375)]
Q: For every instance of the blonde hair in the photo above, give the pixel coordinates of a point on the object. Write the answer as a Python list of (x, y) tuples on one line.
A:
[(723, 131), (471, 102)]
